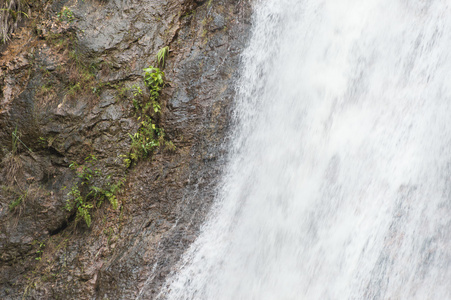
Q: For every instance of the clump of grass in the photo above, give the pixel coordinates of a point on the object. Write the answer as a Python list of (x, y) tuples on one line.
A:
[(19, 195), (20, 198), (46, 93), (81, 76), (12, 164)]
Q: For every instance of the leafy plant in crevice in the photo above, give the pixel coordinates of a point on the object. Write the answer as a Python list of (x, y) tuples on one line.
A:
[(79, 202), (84, 195), (40, 250), (161, 56), (137, 97), (154, 80), (149, 135)]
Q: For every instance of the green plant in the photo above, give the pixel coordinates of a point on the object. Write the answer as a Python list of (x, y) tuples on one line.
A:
[(65, 15), (40, 249), (137, 96), (154, 80), (85, 196), (109, 192), (78, 202), (161, 56), (144, 141), (21, 196), (149, 135), (43, 141), (147, 138)]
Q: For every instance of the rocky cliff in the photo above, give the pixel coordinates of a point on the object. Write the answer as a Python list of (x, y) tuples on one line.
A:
[(76, 122)]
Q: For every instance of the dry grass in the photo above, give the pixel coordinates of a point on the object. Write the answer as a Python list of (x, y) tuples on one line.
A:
[(11, 13), (46, 94), (12, 168)]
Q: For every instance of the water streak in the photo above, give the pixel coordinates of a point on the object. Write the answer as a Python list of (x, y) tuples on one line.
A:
[(338, 184)]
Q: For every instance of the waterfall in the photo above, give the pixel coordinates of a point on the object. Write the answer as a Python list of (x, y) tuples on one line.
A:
[(338, 183)]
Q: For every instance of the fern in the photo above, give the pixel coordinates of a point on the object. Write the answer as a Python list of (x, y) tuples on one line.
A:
[(161, 56)]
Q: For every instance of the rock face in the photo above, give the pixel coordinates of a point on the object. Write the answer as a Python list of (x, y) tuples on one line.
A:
[(67, 80)]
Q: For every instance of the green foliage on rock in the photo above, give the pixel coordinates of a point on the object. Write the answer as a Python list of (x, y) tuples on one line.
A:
[(66, 14), (39, 250), (161, 56), (149, 135), (84, 195), (21, 196)]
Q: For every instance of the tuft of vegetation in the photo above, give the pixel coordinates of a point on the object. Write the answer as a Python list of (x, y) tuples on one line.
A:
[(40, 250), (161, 56), (154, 80), (81, 76), (15, 139), (11, 162), (84, 195), (149, 136), (21, 197), (65, 15), (18, 195)]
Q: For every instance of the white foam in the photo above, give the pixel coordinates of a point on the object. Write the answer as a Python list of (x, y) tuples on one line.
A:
[(338, 182)]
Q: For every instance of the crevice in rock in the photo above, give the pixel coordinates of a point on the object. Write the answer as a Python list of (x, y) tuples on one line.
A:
[(63, 226)]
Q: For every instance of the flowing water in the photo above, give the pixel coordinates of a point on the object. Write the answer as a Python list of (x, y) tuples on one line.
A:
[(338, 183)]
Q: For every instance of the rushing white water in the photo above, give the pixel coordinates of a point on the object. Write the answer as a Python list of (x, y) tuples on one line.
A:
[(339, 180)]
